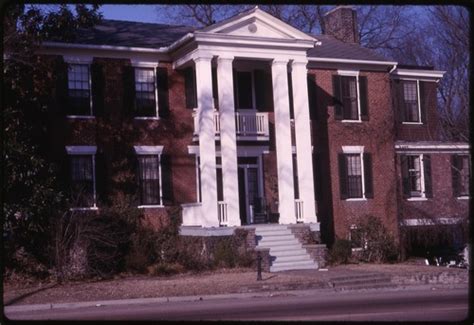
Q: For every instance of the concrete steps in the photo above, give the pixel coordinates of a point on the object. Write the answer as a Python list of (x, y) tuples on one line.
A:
[(286, 251), (363, 281)]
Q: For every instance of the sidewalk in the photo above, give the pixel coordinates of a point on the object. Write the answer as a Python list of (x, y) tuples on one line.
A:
[(240, 282)]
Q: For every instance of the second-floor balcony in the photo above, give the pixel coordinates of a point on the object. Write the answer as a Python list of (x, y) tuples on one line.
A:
[(249, 125)]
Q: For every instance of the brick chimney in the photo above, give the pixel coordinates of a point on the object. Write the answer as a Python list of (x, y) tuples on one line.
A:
[(341, 22)]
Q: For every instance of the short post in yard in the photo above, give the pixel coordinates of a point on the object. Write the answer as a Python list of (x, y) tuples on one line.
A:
[(259, 266)]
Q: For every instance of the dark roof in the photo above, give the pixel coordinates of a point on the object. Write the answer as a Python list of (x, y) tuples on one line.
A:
[(131, 34), (415, 67), (333, 48), (150, 35)]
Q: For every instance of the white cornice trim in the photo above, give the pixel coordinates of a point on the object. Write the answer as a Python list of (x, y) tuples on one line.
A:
[(81, 150), (144, 64), (430, 222), (402, 147), (387, 63), (418, 73), (148, 150)]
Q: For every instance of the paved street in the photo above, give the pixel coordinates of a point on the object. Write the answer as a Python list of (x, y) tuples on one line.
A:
[(403, 305)]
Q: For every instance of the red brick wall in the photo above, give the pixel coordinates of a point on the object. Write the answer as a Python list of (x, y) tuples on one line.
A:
[(115, 134), (428, 131), (377, 137)]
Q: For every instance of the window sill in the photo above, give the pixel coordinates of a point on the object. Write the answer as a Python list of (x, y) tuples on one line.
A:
[(356, 199), (417, 199), (351, 121), (463, 197), (80, 116), (94, 208), (150, 206), (152, 118), (412, 123)]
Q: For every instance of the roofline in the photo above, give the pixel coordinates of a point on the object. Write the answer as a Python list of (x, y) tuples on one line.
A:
[(318, 59), (419, 73), (165, 49), (421, 146)]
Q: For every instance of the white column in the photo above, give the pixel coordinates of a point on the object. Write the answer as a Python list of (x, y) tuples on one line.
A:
[(304, 159), (286, 195), (207, 147), (228, 139)]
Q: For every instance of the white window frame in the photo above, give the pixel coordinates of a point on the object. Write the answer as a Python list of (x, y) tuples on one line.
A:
[(81, 151), (418, 100), (352, 73), (465, 197), (422, 179), (149, 151), (356, 249), (351, 150), (148, 65), (82, 60)]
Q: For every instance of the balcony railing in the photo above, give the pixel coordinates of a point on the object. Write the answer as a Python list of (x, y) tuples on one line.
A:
[(248, 125), (299, 211), (222, 214)]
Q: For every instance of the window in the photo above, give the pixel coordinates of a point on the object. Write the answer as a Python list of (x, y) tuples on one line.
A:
[(355, 173), (245, 90), (145, 95), (79, 96), (410, 99), (350, 96), (82, 180), (149, 179), (416, 176), (461, 172)]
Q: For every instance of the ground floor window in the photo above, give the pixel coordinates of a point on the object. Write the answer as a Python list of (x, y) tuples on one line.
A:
[(149, 179), (461, 169), (416, 175)]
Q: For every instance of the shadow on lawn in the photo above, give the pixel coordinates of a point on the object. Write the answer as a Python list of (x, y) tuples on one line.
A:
[(25, 295)]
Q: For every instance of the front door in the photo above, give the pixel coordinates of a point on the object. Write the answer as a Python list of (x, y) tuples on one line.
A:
[(249, 192)]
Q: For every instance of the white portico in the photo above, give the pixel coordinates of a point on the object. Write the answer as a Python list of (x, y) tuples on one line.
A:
[(253, 39)]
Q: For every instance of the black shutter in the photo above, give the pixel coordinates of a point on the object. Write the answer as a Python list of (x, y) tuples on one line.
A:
[(190, 88), (98, 89), (400, 102), (129, 90), (163, 92), (215, 90), (427, 174), (312, 97), (61, 69), (342, 175), (424, 99), (405, 176), (364, 103), (317, 176), (166, 179), (259, 79), (456, 176), (236, 95), (290, 96), (368, 181), (338, 107), (101, 178), (268, 91)]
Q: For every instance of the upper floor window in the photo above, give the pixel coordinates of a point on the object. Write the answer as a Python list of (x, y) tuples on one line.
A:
[(416, 176), (411, 103), (461, 172), (82, 176), (145, 92), (79, 94), (350, 94), (355, 174), (245, 87)]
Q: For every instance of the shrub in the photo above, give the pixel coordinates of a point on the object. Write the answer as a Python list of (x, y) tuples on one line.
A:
[(379, 246), (340, 252)]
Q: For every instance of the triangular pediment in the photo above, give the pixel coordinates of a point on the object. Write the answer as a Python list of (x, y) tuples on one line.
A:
[(256, 23)]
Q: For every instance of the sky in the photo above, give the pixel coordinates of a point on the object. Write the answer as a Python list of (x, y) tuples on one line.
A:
[(143, 13)]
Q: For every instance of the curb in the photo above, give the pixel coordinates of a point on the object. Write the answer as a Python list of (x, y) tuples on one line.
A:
[(144, 301)]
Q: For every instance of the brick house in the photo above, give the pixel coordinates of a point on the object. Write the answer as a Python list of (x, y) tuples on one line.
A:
[(250, 121)]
